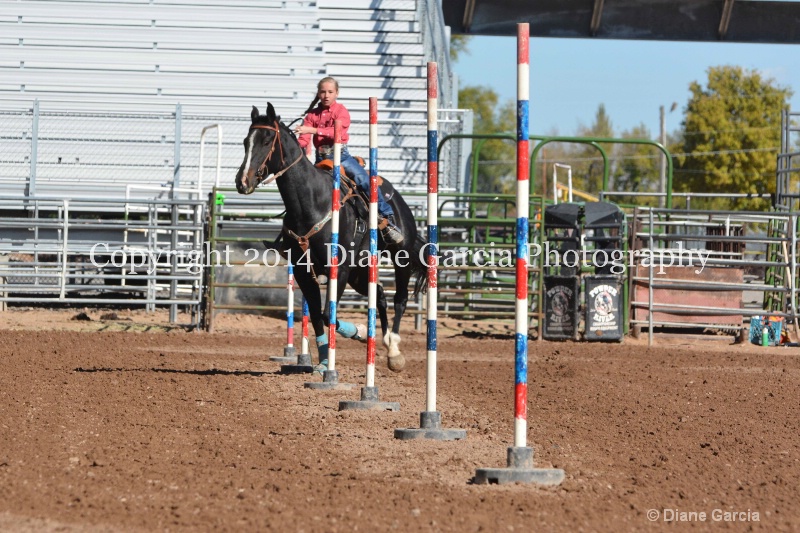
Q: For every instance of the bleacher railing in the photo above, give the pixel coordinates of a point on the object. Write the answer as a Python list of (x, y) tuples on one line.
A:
[(98, 154)]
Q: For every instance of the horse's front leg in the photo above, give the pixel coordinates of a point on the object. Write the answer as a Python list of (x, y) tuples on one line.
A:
[(359, 281), (311, 291), (344, 328), (323, 338)]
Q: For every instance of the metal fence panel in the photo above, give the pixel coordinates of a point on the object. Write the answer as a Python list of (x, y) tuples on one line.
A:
[(142, 255)]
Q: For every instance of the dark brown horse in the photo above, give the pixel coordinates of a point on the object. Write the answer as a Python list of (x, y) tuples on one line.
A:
[(272, 149)]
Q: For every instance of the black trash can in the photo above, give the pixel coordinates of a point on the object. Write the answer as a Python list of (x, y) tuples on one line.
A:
[(602, 228), (563, 237)]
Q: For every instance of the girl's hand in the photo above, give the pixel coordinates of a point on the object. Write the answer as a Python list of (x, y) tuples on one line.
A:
[(304, 129)]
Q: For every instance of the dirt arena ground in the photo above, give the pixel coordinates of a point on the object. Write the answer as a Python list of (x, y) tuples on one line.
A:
[(123, 424)]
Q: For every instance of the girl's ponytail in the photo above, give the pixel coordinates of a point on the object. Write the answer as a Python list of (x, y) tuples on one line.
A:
[(312, 106)]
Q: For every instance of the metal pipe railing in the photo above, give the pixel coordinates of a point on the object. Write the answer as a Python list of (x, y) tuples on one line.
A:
[(77, 257)]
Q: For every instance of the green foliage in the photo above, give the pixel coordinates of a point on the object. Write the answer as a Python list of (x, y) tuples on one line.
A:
[(601, 127), (588, 174), (632, 167), (731, 133), (497, 163), (728, 143), (459, 44), (639, 168)]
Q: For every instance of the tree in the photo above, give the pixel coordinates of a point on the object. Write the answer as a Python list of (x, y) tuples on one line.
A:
[(497, 163), (637, 169), (459, 44), (591, 171), (731, 135), (632, 167), (585, 160)]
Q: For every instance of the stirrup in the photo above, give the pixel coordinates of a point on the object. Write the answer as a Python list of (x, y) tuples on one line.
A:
[(390, 233)]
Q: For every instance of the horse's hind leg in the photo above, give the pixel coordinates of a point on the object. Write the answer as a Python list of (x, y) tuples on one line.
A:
[(353, 330), (382, 314), (396, 361)]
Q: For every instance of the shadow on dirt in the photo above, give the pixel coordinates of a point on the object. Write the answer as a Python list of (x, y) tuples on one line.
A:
[(209, 372), (489, 335)]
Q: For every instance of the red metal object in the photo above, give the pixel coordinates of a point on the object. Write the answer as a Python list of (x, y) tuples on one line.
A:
[(725, 299)]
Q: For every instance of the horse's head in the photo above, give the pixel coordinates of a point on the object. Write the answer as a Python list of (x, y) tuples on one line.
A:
[(261, 146)]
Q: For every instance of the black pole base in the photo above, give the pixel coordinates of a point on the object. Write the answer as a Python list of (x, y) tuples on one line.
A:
[(430, 423), (369, 402), (520, 470)]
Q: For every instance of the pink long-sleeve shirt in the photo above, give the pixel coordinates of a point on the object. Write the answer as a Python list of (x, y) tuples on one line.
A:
[(322, 119)]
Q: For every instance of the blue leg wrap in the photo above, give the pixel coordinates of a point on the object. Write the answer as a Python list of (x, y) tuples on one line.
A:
[(346, 329), (322, 349)]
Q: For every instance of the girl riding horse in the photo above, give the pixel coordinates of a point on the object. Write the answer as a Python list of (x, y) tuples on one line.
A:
[(272, 149)]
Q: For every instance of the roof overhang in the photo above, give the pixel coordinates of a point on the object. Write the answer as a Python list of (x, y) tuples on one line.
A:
[(745, 21)]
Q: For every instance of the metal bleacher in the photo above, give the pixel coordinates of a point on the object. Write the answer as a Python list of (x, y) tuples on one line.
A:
[(104, 95)]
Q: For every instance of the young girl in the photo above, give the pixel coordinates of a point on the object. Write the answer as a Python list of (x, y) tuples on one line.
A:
[(318, 123)]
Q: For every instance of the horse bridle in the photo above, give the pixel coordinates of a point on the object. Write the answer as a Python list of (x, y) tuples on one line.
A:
[(260, 176)]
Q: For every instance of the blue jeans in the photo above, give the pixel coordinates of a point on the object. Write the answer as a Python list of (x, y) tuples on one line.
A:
[(361, 177)]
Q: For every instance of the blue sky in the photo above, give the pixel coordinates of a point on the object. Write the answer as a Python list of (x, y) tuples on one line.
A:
[(571, 77)]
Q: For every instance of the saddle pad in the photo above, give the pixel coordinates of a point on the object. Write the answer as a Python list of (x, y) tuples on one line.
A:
[(327, 165)]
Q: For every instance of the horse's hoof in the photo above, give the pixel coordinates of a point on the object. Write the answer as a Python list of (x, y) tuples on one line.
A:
[(392, 342), (397, 363)]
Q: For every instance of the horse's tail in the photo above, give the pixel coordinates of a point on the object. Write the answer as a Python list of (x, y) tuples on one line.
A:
[(420, 265)]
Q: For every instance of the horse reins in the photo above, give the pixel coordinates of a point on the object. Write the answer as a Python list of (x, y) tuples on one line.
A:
[(302, 240), (275, 141)]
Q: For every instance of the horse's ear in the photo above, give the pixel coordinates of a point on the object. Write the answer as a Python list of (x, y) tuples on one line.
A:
[(254, 114), (270, 113)]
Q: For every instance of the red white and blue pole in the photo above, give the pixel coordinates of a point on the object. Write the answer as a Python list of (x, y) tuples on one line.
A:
[(433, 233), (372, 294), (289, 353), (297, 363), (304, 343), (333, 281), (290, 309), (523, 202), (431, 419), (369, 393), (520, 457)]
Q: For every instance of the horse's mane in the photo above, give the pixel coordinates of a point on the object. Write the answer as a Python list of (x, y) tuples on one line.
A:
[(263, 120)]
